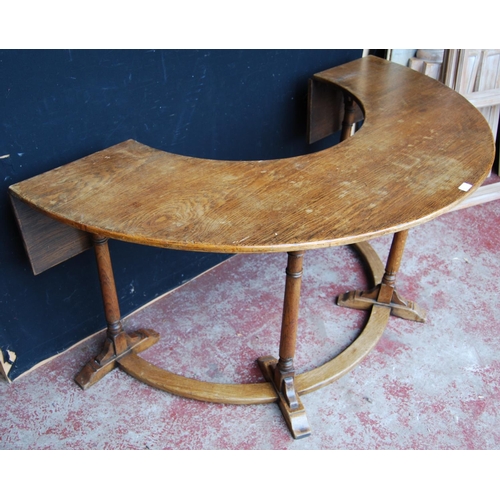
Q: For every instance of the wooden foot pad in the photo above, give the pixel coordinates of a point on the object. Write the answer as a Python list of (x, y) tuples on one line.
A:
[(288, 399), (106, 361), (400, 308)]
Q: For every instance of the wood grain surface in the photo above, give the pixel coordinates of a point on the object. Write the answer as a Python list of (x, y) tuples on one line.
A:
[(419, 142)]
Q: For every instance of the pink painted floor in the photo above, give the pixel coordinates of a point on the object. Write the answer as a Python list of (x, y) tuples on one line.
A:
[(425, 386)]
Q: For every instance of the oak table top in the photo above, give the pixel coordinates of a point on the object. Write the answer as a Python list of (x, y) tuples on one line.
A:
[(418, 144)]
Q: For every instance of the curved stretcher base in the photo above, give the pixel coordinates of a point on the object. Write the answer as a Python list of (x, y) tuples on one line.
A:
[(260, 393)]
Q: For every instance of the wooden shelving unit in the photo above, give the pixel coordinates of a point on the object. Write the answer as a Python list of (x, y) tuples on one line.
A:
[(475, 73)]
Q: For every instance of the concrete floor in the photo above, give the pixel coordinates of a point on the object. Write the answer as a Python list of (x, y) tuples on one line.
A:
[(431, 386)]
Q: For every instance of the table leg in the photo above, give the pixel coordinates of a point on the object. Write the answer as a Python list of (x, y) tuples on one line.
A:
[(281, 373), (385, 294), (117, 343), (348, 121)]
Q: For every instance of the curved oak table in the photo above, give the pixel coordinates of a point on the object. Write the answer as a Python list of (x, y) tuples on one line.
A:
[(421, 149)]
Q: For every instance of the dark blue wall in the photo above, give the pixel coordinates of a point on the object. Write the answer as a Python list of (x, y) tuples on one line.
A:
[(59, 105)]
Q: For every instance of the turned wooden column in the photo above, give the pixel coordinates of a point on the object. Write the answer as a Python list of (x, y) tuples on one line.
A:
[(349, 115), (117, 343), (281, 372), (109, 295), (392, 267), (284, 372)]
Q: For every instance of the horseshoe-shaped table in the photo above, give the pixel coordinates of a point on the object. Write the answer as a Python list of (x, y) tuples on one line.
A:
[(421, 149)]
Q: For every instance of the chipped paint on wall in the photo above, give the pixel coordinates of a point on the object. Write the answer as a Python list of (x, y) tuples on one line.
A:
[(6, 362)]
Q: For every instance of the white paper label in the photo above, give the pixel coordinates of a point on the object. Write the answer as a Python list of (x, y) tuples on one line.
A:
[(465, 186)]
